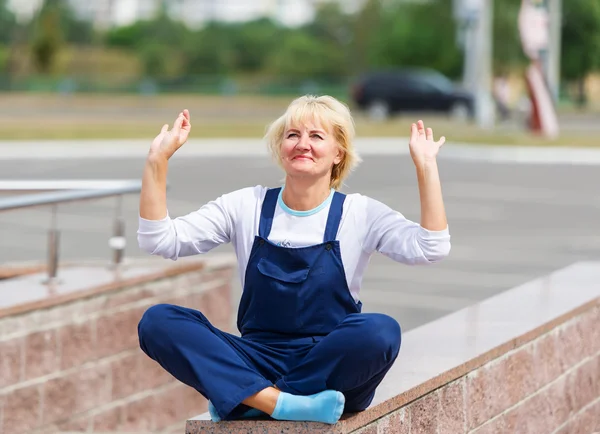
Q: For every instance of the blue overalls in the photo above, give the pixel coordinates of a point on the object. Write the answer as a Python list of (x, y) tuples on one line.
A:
[(301, 330)]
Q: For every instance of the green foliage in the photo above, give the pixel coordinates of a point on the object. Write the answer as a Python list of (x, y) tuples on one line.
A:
[(419, 35), (302, 56), (4, 56), (48, 36), (158, 42), (7, 23), (334, 46), (126, 36), (155, 59), (161, 29), (72, 29), (52, 28), (253, 43), (209, 51), (581, 38), (507, 49), (366, 40)]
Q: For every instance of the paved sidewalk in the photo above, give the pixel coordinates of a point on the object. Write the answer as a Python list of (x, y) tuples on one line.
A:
[(256, 147)]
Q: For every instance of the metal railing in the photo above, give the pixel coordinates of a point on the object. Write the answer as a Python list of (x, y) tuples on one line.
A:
[(60, 192)]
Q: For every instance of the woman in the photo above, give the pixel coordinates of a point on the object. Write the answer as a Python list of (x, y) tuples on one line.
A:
[(306, 352)]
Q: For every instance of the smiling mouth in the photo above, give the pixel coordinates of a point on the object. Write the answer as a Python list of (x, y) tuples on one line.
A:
[(301, 157)]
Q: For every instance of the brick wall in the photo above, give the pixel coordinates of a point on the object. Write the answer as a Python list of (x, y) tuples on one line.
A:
[(550, 385), (78, 366)]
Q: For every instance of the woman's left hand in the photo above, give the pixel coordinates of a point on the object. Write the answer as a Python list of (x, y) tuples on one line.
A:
[(423, 149)]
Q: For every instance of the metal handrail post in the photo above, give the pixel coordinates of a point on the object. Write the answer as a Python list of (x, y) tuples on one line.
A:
[(118, 241), (53, 248)]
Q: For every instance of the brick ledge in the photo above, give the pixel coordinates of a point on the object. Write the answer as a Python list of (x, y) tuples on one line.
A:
[(439, 352), (134, 272)]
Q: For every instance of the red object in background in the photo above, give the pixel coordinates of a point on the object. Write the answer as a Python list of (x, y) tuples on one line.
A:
[(534, 32), (543, 118)]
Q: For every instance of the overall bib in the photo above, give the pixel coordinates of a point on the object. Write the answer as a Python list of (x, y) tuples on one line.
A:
[(301, 330), (295, 292)]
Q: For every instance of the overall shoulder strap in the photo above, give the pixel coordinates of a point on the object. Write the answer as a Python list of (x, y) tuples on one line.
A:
[(267, 212), (335, 216)]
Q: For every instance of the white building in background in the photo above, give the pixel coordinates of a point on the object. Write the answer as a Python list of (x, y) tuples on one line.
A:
[(108, 13), (23, 9)]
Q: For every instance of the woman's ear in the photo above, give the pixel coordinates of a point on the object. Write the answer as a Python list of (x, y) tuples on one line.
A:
[(339, 157)]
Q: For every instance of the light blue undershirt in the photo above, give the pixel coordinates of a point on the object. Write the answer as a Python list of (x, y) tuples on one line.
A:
[(303, 213)]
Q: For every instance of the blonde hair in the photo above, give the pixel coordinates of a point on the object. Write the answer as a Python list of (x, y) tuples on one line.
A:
[(331, 114)]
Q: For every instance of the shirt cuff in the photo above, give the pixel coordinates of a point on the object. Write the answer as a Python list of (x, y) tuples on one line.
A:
[(152, 224), (434, 235)]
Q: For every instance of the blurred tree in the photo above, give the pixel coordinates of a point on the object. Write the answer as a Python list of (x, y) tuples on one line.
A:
[(4, 58), (335, 28), (507, 51), (209, 51), (253, 42), (301, 56), (74, 30), (155, 58), (80, 32), (48, 36), (126, 36), (8, 23), (54, 26), (232, 47), (418, 35), (332, 24), (159, 42), (580, 42), (366, 23), (160, 29)]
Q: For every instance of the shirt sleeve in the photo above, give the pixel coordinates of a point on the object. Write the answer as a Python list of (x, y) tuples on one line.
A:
[(195, 233), (391, 234)]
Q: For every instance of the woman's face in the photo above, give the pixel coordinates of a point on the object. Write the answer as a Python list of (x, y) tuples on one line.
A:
[(309, 150)]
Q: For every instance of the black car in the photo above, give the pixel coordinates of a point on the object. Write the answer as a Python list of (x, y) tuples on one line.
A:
[(385, 93)]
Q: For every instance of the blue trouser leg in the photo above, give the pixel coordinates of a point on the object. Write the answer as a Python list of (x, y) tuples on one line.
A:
[(218, 365), (352, 359)]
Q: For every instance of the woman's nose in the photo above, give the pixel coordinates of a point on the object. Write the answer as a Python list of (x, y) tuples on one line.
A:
[(303, 142)]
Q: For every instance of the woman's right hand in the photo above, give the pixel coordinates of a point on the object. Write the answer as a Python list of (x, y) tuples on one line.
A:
[(166, 143)]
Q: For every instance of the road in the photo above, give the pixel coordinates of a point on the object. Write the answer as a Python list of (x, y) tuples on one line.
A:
[(510, 223)]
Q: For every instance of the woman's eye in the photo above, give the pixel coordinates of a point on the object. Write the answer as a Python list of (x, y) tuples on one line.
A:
[(292, 135), (317, 136)]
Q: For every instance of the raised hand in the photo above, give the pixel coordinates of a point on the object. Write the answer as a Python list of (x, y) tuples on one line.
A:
[(423, 148), (166, 143)]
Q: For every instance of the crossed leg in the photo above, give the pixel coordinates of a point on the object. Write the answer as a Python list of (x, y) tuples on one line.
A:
[(224, 368), (229, 370), (353, 359)]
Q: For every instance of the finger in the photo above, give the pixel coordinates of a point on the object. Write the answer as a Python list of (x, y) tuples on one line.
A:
[(186, 120), (177, 124), (165, 128), (429, 134), (441, 141), (414, 134), (421, 128)]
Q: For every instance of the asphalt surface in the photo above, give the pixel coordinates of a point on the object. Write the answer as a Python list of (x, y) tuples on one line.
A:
[(510, 223)]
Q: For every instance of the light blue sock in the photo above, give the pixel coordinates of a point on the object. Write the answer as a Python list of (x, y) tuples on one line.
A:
[(326, 407), (214, 416)]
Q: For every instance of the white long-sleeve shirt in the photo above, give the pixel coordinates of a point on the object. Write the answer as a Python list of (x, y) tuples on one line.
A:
[(367, 226)]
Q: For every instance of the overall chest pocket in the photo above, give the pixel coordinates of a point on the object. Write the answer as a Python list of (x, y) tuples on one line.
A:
[(279, 302)]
